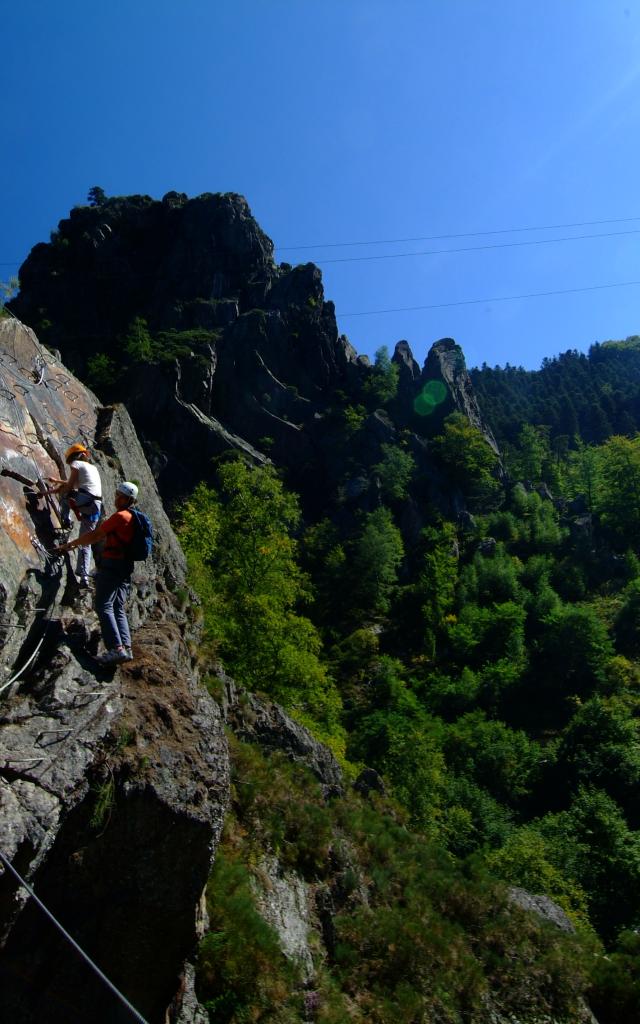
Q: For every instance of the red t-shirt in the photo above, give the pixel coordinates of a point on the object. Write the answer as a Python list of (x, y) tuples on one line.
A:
[(119, 529)]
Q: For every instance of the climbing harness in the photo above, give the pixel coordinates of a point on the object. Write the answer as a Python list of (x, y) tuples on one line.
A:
[(94, 967)]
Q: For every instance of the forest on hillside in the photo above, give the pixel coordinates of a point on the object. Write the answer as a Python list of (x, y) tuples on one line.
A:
[(459, 617), (491, 674), (572, 395)]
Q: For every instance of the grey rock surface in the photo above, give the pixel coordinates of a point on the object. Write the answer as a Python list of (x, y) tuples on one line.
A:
[(258, 720), (187, 1009), (113, 784), (283, 900), (445, 362), (542, 906)]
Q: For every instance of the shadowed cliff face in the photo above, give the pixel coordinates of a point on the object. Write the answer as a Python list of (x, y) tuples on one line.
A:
[(241, 354), (113, 785), (179, 263)]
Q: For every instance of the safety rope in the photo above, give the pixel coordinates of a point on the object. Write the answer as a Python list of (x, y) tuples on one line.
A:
[(94, 967), (17, 675), (14, 392), (51, 562)]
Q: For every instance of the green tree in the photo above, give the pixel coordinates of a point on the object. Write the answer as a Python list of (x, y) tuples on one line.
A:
[(572, 653), (481, 635), (539, 528), (400, 740), (324, 558), (138, 343), (377, 554), (618, 498), (615, 985), (242, 559), (436, 585), (382, 381), (97, 196), (469, 461), (592, 844), (394, 471), (627, 622), (7, 291), (582, 474), (102, 371), (601, 747), (531, 454), (504, 761), (524, 860), (492, 577)]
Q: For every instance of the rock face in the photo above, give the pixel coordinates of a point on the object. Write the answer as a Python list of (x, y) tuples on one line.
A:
[(445, 362), (247, 353), (285, 902), (260, 721), (179, 263), (113, 785)]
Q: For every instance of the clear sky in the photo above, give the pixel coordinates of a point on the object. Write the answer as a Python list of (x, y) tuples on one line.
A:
[(352, 120)]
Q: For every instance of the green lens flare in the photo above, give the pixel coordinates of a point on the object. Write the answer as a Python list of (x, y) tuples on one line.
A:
[(433, 393), (423, 404)]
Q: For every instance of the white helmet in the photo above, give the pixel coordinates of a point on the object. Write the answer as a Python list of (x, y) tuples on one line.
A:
[(128, 489)]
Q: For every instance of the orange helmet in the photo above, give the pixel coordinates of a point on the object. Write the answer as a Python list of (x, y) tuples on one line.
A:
[(75, 449)]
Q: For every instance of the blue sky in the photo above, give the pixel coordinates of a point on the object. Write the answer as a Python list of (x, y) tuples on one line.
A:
[(351, 120)]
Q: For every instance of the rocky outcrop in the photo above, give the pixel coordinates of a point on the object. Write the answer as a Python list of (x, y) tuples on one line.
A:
[(242, 355), (179, 263), (542, 906), (113, 785), (285, 902), (445, 363), (261, 721)]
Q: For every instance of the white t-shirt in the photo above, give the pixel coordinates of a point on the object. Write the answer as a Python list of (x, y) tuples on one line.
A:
[(88, 478)]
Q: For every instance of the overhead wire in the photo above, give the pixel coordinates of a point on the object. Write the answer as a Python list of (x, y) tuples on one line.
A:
[(459, 234), (465, 249), (477, 248), (433, 238), (495, 298)]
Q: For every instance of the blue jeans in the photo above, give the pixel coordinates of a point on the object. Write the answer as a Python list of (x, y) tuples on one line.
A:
[(113, 586), (83, 562)]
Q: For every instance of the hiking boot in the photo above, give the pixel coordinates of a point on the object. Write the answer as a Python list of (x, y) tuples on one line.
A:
[(129, 654), (84, 582), (114, 657)]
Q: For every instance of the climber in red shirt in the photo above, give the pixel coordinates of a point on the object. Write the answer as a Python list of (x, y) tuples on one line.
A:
[(113, 580)]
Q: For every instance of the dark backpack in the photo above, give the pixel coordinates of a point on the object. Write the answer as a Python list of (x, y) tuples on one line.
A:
[(141, 544)]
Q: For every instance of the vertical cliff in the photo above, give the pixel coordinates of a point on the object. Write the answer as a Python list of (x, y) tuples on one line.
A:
[(176, 308), (113, 785)]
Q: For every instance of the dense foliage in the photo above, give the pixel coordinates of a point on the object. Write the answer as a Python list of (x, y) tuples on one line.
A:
[(488, 673), (590, 396), (466, 625), (241, 551), (412, 937)]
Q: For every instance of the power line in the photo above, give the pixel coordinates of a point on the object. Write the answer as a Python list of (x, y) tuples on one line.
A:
[(477, 248), (495, 298), (461, 234), (434, 238)]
